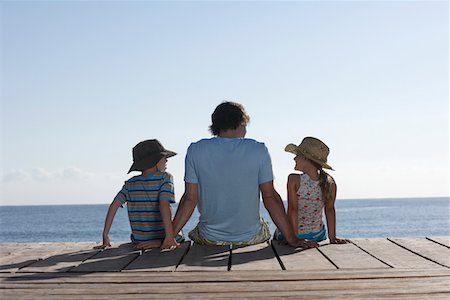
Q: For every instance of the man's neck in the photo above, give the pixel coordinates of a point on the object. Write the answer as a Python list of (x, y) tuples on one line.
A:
[(239, 132), (229, 134)]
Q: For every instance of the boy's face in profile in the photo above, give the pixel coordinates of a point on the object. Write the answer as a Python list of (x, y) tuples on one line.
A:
[(162, 164)]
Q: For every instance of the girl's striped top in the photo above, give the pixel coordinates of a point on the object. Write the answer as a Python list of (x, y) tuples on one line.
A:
[(142, 195)]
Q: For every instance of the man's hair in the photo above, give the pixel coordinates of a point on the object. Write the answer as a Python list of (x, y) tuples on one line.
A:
[(228, 115)]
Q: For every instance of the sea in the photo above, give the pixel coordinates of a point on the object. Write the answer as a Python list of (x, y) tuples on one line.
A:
[(363, 218)]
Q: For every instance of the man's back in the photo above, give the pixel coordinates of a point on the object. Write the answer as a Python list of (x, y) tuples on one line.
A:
[(228, 172)]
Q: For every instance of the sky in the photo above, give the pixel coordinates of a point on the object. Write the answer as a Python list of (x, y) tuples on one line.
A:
[(82, 82)]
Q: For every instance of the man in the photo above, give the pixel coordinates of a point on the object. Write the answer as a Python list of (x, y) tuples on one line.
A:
[(224, 175)]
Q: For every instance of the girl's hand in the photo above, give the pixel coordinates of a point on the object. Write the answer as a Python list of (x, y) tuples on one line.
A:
[(106, 243), (169, 244), (308, 244), (305, 244), (340, 241)]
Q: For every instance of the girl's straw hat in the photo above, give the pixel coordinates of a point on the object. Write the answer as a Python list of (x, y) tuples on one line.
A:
[(147, 153), (313, 149)]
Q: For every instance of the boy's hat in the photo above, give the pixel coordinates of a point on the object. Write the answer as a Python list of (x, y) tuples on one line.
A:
[(313, 149), (146, 155)]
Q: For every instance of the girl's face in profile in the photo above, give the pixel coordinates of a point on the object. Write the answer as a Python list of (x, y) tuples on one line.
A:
[(162, 164), (300, 162)]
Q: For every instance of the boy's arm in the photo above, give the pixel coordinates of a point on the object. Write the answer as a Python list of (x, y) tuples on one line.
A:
[(108, 222), (166, 214), (186, 207)]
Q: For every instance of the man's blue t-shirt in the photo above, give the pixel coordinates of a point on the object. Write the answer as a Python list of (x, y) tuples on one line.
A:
[(228, 172)]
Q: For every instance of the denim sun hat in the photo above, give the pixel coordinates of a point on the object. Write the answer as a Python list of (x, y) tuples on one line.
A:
[(146, 155), (313, 149)]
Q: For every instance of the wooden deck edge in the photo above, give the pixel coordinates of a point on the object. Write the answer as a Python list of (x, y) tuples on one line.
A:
[(215, 276)]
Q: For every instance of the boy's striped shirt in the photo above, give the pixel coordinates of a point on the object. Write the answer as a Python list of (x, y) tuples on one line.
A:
[(142, 195)]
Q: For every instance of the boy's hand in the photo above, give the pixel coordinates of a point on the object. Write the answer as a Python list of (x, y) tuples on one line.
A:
[(106, 243), (169, 243)]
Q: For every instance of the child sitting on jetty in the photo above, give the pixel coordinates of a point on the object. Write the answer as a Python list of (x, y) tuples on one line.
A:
[(148, 197), (310, 192)]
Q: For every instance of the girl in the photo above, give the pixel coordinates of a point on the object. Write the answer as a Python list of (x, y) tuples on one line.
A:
[(311, 192)]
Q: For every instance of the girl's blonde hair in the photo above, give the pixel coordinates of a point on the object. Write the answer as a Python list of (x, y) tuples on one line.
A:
[(325, 182)]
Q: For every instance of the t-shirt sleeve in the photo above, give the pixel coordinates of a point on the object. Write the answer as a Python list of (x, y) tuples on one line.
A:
[(122, 195), (190, 174), (167, 191), (265, 169)]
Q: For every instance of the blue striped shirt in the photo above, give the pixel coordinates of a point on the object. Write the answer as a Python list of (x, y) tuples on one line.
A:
[(142, 194)]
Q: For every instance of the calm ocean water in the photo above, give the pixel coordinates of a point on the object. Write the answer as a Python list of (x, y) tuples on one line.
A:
[(355, 218)]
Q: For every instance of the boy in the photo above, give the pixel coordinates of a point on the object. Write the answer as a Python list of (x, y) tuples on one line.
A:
[(148, 197)]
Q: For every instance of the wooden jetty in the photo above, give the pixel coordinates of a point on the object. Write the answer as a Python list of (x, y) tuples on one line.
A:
[(392, 268)]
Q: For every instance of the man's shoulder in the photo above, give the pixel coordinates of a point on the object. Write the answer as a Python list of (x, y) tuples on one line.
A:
[(201, 145), (254, 143), (201, 142), (256, 147)]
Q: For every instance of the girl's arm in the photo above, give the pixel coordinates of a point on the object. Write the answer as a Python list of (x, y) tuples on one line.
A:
[(108, 222), (293, 185), (166, 214), (330, 214)]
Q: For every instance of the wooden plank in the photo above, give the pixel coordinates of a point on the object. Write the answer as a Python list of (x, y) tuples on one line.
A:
[(336, 287), (155, 260), (299, 259), (233, 295), (14, 264), (8, 248), (443, 240), (109, 260), (254, 257), (205, 258), (402, 282), (60, 262), (243, 276), (426, 248), (238, 295), (393, 255), (348, 256), (27, 254)]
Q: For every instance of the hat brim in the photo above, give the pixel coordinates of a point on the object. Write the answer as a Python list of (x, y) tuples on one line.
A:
[(168, 153), (150, 162), (292, 148), (145, 163)]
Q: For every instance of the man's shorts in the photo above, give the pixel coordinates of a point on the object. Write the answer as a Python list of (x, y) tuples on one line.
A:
[(262, 236)]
